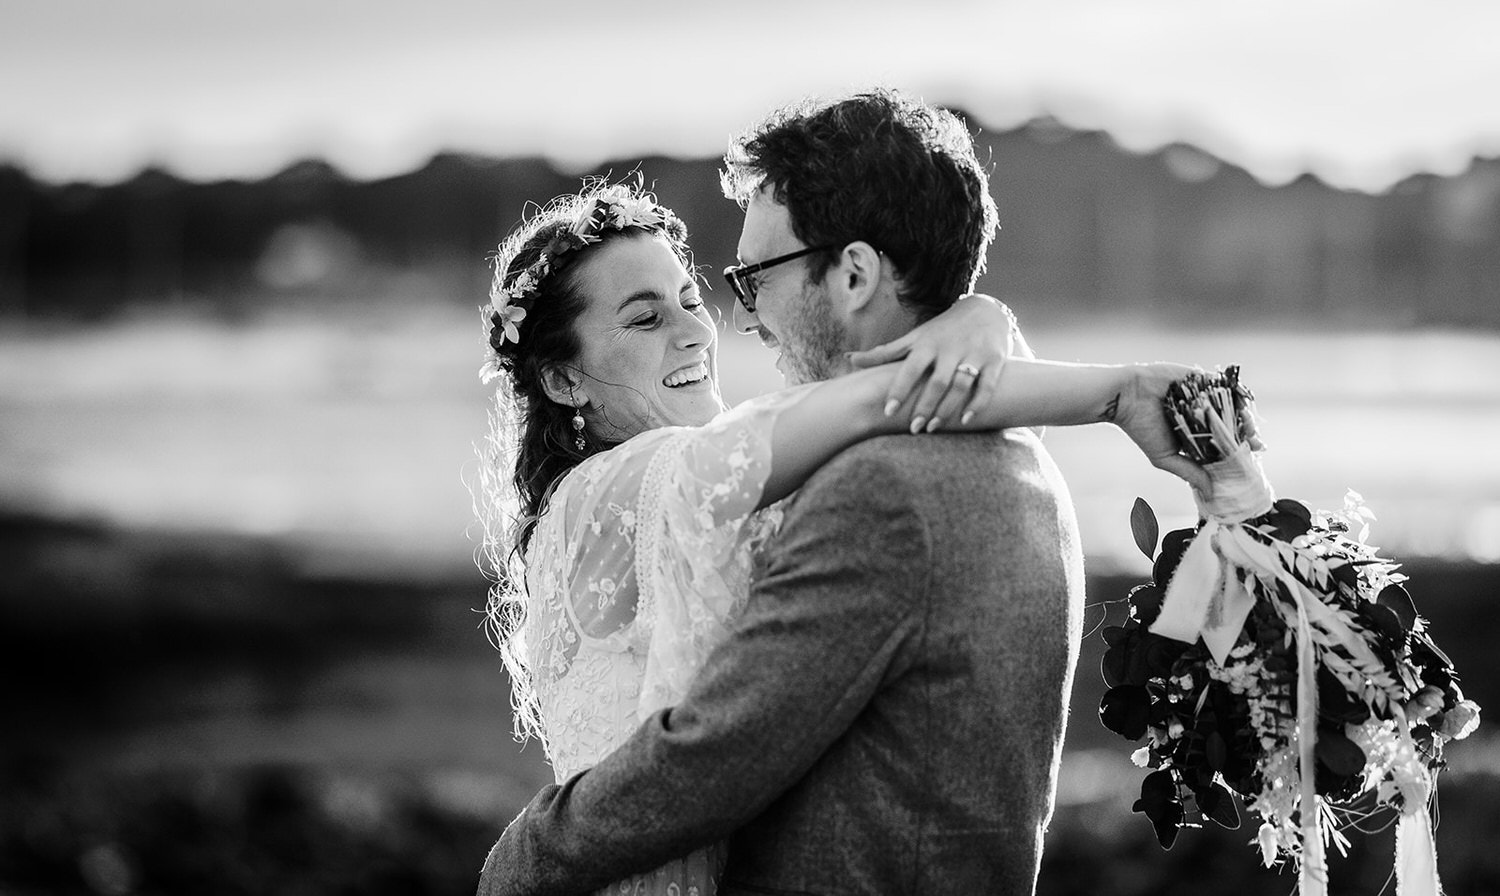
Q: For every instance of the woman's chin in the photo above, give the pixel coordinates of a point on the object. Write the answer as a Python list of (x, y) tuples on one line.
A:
[(693, 405)]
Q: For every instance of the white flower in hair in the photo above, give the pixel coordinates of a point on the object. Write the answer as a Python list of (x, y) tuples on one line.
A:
[(510, 322), (584, 226), (636, 211), (524, 284), (491, 367)]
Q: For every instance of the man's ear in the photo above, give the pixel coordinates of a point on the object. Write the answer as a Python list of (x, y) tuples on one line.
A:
[(564, 386), (857, 276)]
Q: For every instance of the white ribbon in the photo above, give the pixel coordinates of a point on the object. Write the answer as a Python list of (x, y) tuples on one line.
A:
[(1206, 597), (1416, 856), (1416, 850), (1314, 878)]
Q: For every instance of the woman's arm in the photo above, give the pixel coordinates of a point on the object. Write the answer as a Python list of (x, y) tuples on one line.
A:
[(954, 359), (840, 412)]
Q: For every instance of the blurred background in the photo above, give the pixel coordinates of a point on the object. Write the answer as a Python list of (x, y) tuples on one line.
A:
[(242, 249)]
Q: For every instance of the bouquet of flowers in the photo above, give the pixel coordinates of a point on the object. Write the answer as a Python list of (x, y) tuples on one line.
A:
[(1274, 656)]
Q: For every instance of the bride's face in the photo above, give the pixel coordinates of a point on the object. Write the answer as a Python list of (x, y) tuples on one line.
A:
[(648, 356)]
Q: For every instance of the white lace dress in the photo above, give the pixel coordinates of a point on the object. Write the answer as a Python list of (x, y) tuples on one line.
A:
[(634, 572)]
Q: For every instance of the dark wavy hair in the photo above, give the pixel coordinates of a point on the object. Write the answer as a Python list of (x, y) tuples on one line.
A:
[(879, 167), (544, 448)]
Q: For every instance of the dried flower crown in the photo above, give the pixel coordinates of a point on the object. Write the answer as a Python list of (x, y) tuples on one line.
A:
[(614, 208)]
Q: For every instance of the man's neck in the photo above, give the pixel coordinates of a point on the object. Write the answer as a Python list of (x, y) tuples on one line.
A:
[(889, 322)]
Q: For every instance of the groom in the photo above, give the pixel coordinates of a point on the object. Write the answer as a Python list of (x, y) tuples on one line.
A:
[(887, 716)]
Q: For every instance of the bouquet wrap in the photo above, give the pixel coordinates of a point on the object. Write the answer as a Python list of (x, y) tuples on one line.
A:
[(1277, 658)]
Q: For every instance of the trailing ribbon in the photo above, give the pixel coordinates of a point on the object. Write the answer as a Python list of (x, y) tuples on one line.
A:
[(1314, 877), (1416, 856), (1207, 599), (1416, 850)]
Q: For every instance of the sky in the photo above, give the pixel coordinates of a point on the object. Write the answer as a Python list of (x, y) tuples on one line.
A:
[(1359, 92)]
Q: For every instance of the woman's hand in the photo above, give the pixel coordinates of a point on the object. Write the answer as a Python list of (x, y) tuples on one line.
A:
[(1137, 410), (958, 355)]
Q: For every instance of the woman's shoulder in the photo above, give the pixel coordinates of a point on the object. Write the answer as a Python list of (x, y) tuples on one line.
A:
[(628, 457), (614, 474)]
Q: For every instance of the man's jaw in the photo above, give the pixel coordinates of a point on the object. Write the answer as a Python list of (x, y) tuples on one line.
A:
[(769, 340)]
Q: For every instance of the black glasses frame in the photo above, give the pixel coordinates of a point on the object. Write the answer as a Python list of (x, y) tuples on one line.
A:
[(739, 276)]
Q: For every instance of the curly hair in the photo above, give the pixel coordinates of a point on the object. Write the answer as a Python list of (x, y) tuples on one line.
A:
[(879, 167)]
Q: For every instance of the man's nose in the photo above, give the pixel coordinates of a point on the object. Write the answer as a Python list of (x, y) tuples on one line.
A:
[(744, 321)]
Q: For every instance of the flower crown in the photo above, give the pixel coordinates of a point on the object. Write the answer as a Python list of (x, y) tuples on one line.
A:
[(614, 208)]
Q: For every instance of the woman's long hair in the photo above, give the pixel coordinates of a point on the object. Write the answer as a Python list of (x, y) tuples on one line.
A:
[(531, 442)]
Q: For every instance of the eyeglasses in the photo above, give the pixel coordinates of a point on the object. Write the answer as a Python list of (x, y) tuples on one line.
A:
[(742, 281)]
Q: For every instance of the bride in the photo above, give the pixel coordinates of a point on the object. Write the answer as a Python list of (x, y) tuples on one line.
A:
[(623, 504)]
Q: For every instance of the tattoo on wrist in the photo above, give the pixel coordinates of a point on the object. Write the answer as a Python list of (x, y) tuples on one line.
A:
[(1111, 409)]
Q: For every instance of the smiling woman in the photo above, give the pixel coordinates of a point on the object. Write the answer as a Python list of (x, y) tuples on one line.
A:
[(648, 347)]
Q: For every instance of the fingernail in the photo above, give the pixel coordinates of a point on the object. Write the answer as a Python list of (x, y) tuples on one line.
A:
[(916, 424), (966, 419), (934, 423), (890, 407)]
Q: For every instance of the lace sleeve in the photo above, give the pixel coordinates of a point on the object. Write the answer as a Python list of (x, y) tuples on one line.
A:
[(580, 587), (646, 546), (696, 537)]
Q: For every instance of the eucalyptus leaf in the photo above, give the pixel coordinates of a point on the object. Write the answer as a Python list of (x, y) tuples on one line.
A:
[(1143, 526), (1388, 621), (1216, 751), (1145, 603), (1158, 789), (1295, 508), (1398, 600), (1115, 666), (1338, 753), (1168, 823), (1173, 545), (1217, 804), (1125, 710)]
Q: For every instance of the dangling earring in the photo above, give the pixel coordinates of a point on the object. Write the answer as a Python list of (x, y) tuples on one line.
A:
[(578, 429)]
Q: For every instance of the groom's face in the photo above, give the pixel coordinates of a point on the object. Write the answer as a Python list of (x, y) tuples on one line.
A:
[(793, 315)]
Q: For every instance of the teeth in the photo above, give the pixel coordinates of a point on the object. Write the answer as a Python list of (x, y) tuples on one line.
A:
[(695, 374)]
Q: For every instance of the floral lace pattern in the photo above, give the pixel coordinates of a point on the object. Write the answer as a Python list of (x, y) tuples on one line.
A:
[(635, 572)]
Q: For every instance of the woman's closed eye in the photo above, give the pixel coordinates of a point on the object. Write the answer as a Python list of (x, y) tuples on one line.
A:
[(692, 302)]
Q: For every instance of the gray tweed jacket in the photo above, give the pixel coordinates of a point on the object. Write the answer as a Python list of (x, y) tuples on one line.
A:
[(886, 718)]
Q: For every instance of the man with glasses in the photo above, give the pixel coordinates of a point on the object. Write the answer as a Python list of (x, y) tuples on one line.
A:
[(887, 717)]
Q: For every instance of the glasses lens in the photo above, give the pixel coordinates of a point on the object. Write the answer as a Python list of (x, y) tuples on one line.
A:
[(743, 286)]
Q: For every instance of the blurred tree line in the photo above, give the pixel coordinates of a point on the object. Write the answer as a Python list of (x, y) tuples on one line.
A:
[(1088, 229)]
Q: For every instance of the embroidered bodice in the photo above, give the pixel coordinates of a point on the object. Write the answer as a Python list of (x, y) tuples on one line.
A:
[(634, 573)]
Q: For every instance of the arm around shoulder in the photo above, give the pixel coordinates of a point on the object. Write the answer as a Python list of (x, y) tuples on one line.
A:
[(823, 626)]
